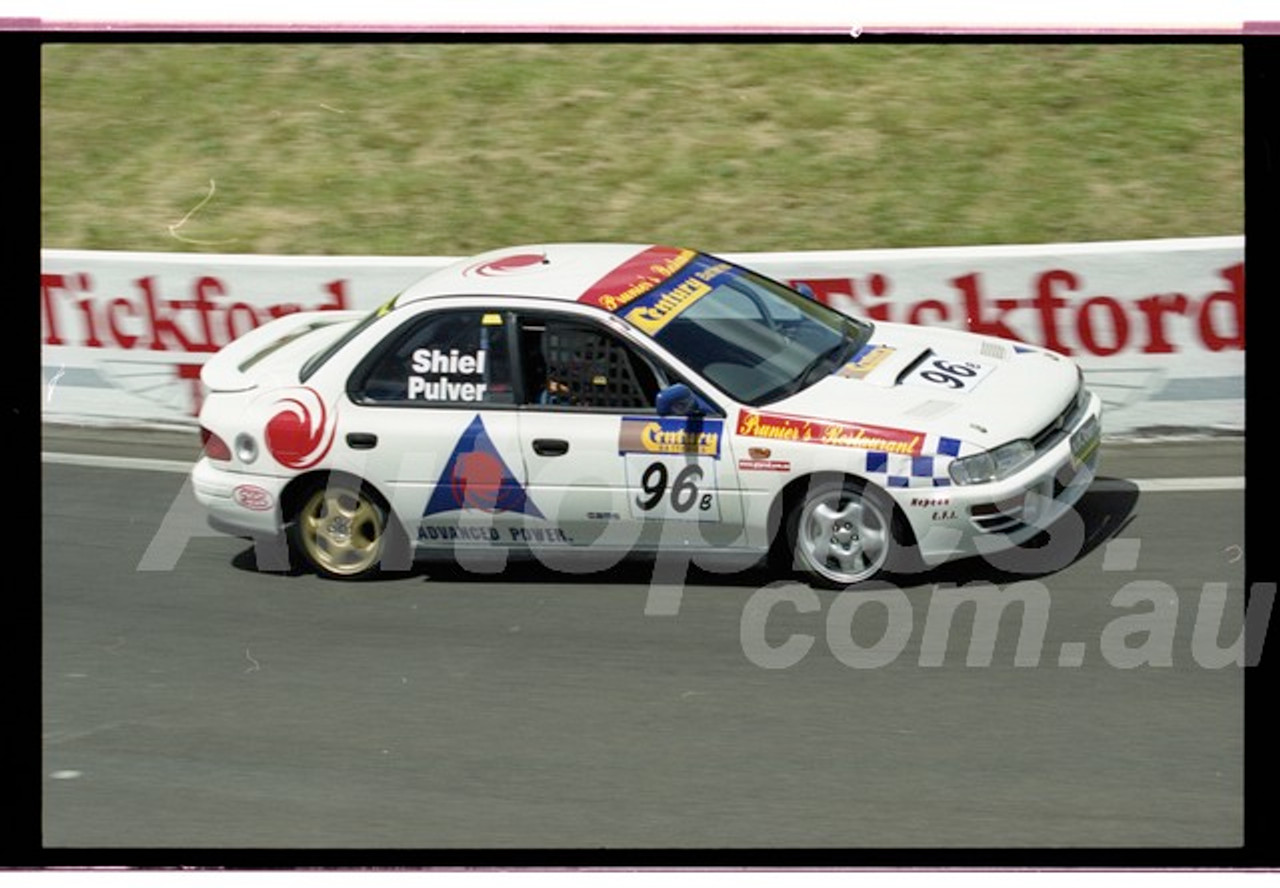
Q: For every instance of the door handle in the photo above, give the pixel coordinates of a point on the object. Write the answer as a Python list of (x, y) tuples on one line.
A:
[(361, 441), (550, 446)]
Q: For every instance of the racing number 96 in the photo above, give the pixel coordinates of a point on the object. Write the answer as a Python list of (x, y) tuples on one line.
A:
[(949, 373), (684, 489)]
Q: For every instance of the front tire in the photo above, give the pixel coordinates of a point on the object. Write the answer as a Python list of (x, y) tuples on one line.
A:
[(842, 532), (343, 530)]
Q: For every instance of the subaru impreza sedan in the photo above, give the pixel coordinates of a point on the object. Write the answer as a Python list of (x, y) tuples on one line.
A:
[(612, 398)]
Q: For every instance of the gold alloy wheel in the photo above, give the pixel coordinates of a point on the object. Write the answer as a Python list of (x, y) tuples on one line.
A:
[(342, 530)]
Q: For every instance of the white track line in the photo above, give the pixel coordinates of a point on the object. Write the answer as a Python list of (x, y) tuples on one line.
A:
[(141, 464), (1174, 485), (180, 467)]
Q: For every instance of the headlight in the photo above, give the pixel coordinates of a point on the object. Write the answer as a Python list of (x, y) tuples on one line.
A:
[(992, 465)]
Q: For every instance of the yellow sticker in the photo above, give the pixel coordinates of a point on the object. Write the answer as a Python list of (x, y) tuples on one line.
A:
[(652, 318), (866, 361), (491, 319)]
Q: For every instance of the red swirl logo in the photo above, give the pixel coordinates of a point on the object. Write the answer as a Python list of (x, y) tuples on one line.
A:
[(517, 263), (301, 433)]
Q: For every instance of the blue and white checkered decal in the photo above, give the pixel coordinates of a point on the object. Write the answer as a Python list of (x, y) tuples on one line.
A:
[(904, 470)]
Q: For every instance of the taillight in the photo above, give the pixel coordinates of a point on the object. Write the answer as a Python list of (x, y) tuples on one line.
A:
[(214, 447)]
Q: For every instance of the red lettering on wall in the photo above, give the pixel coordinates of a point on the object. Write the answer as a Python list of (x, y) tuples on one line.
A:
[(337, 289), (86, 309), (191, 372), (162, 325), (240, 310), (916, 315), (49, 283), (975, 321), (202, 306), (1085, 325), (1154, 308), (1232, 301), (1055, 309), (878, 285), (1049, 305), (71, 314), (124, 340), (1103, 325)]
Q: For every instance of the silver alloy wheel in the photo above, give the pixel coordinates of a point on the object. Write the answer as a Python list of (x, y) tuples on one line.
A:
[(843, 534), (341, 530)]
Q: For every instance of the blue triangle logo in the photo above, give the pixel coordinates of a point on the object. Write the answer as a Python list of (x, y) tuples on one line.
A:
[(476, 477)]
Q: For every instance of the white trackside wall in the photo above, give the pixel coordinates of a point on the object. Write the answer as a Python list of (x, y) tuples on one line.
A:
[(1158, 326)]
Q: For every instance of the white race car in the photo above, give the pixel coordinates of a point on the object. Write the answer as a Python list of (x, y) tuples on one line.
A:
[(621, 398)]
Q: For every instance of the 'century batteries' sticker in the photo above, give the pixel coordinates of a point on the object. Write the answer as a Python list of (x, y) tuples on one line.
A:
[(675, 435)]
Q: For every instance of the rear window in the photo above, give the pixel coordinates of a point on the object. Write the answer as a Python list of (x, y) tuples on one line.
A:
[(318, 360), (281, 343)]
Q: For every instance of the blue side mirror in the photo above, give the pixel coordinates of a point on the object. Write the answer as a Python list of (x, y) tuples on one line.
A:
[(676, 400)]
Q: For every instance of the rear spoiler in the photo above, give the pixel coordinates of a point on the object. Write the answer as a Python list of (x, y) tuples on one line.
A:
[(228, 370)]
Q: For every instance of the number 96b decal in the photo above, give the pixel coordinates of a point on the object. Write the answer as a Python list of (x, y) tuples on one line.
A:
[(954, 374), (678, 488)]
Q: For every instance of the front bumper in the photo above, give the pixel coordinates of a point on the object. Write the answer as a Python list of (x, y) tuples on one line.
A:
[(968, 519), (241, 504)]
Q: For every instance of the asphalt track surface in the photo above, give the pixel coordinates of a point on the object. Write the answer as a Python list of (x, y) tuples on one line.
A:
[(202, 704)]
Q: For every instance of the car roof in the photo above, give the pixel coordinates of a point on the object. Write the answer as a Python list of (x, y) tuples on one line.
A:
[(566, 271)]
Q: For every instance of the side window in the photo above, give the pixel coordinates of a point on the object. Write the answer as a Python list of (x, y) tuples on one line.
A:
[(448, 357), (572, 363)]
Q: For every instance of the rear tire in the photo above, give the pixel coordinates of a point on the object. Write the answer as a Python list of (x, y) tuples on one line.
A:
[(344, 530)]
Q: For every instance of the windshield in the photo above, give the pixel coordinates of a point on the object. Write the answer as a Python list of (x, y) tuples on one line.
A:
[(752, 337)]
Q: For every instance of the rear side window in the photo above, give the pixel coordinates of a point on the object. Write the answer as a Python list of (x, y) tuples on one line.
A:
[(571, 363), (448, 358)]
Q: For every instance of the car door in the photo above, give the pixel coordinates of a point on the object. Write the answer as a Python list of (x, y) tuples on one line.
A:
[(605, 469), (433, 419)]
